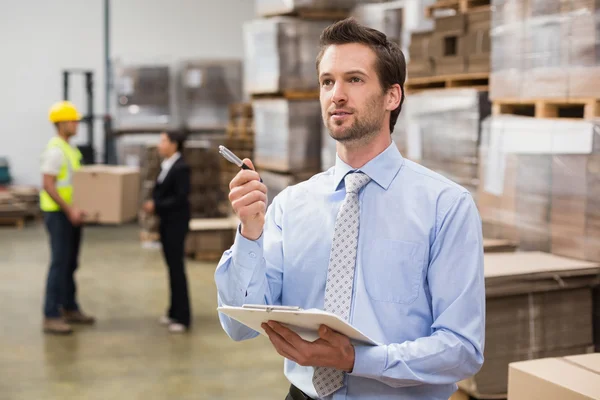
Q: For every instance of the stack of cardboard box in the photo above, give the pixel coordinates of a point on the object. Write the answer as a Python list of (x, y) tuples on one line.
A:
[(240, 140), (538, 305), (458, 44), (203, 159)]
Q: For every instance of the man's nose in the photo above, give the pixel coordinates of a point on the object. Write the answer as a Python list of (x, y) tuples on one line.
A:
[(339, 93)]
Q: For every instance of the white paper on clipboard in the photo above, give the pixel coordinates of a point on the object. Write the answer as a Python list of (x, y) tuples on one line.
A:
[(304, 322)]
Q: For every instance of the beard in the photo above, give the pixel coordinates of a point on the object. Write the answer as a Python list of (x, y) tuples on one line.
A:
[(365, 125)]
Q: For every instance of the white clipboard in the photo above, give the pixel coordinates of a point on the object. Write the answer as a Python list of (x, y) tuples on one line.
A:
[(304, 322)]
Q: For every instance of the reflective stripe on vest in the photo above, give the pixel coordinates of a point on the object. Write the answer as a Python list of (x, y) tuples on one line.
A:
[(64, 179)]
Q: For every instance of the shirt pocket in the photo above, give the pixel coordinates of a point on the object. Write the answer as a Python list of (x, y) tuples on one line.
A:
[(393, 271)]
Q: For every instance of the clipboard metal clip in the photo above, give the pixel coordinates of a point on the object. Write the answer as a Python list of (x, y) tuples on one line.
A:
[(269, 308)]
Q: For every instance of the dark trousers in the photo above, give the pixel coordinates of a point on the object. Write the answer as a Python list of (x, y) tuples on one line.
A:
[(172, 237), (65, 240), (296, 394)]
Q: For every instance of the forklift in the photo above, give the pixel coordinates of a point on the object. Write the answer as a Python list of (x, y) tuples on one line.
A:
[(88, 151)]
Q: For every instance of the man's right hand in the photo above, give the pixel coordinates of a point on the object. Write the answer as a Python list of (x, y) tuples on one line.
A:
[(76, 216), (248, 196)]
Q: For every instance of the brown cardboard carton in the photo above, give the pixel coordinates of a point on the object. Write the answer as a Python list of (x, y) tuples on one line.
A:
[(420, 68), (481, 19), (420, 43), (452, 25), (537, 305), (565, 378), (107, 194), (208, 238), (477, 48)]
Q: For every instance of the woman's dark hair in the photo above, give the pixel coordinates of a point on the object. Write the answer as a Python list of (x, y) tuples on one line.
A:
[(176, 137), (391, 64)]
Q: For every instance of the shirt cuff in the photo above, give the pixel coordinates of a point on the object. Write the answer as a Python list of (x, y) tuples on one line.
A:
[(369, 361), (247, 253)]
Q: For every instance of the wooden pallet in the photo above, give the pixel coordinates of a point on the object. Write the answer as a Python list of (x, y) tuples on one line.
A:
[(574, 108), (460, 6), (479, 81), (290, 95), (333, 15), (17, 222)]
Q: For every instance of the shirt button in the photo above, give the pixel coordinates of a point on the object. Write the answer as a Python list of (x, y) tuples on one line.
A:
[(252, 254)]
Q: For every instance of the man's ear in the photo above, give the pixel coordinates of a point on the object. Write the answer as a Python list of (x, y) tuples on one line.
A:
[(394, 96)]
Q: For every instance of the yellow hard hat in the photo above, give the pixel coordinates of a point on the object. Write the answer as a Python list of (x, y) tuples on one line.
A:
[(63, 111)]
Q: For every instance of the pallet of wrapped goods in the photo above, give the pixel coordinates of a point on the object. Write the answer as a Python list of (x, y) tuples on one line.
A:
[(545, 49), (145, 98), (241, 121), (208, 238), (537, 305), (287, 135), (207, 88), (206, 193), (308, 9), (279, 56), (446, 129), (540, 184)]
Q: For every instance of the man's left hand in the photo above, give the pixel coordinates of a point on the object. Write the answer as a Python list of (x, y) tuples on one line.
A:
[(330, 350)]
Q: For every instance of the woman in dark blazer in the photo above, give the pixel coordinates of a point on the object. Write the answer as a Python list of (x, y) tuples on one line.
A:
[(170, 202)]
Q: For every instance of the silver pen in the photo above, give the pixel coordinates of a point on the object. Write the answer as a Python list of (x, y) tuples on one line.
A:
[(232, 158)]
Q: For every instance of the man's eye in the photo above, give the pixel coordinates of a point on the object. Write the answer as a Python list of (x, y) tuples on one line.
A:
[(355, 79), (327, 82)]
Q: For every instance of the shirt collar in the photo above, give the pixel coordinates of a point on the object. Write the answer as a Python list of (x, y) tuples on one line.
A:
[(171, 160), (382, 169)]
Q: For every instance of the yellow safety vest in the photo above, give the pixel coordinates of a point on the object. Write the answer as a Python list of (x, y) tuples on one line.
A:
[(64, 179)]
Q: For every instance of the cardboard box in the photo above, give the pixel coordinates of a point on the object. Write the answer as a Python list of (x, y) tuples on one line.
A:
[(208, 238), (537, 305), (479, 20), (420, 43), (420, 68), (108, 194), (452, 25), (564, 378)]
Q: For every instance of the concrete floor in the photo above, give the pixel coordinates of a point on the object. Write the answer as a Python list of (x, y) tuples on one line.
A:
[(127, 355)]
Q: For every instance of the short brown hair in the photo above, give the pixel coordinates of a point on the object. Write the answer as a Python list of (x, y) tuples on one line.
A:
[(391, 64)]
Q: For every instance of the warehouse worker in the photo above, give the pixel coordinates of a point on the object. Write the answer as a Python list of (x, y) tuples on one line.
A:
[(63, 222), (386, 244)]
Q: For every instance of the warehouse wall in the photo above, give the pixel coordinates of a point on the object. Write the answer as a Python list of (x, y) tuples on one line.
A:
[(38, 39)]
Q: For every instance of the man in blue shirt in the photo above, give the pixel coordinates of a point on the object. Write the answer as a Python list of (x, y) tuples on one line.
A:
[(385, 243)]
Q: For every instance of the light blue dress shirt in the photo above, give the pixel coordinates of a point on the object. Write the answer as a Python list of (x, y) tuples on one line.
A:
[(418, 284)]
